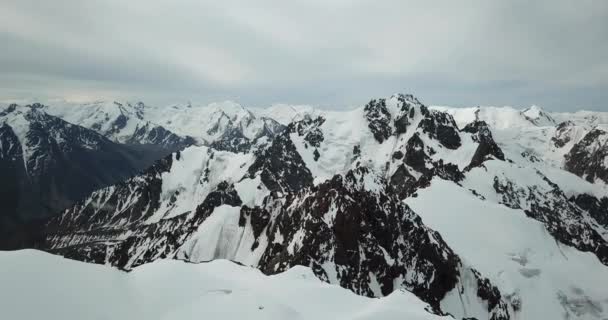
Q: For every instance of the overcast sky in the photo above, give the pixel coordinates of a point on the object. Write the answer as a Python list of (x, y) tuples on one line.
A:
[(330, 53)]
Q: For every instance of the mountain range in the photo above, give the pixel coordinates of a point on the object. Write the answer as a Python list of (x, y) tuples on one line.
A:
[(483, 212)]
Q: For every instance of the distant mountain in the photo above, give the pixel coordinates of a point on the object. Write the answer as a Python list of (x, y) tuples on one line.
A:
[(225, 126), (120, 122), (570, 141), (46, 164), (485, 212)]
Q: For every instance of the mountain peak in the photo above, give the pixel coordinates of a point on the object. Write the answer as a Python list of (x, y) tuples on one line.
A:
[(538, 116)]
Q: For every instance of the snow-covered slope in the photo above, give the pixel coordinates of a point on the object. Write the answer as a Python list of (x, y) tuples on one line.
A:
[(37, 285), (121, 122), (269, 210), (46, 164), (571, 141), (340, 192), (543, 278), (226, 125)]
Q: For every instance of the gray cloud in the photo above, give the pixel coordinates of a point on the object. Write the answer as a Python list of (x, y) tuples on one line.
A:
[(330, 53)]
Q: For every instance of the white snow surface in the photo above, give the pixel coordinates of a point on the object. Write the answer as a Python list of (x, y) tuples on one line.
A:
[(552, 280), (205, 123), (37, 285), (529, 131), (196, 173)]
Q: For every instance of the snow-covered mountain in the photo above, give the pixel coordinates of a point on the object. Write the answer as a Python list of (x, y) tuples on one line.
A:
[(121, 122), (46, 164), (486, 213), (166, 290), (225, 126), (575, 142)]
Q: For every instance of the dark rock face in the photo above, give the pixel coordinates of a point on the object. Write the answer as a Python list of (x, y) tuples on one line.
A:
[(588, 158), (398, 155), (563, 219), (436, 123), (415, 156), (402, 183), (258, 218), (145, 242), (13, 181), (356, 151), (562, 134), (309, 129), (378, 119), (161, 137), (488, 292), (340, 228), (118, 124), (224, 194), (233, 137), (64, 163), (401, 123), (281, 167), (487, 146), (232, 140), (407, 105), (360, 228), (316, 154), (597, 208), (88, 215), (440, 126)]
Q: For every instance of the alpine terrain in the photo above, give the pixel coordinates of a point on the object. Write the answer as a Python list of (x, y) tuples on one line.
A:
[(415, 211), (47, 164)]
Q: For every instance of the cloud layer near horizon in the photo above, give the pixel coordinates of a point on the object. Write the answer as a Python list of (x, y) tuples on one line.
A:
[(331, 53)]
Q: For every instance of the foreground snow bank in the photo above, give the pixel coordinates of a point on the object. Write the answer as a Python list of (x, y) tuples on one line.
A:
[(37, 285)]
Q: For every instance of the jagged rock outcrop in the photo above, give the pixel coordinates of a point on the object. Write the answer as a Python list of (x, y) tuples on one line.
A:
[(546, 202), (487, 146), (368, 242), (149, 134), (378, 119), (597, 208), (563, 134), (281, 167), (588, 158), (329, 191), (137, 242), (440, 126)]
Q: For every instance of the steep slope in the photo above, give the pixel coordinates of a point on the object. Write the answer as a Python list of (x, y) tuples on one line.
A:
[(340, 192), (529, 190), (540, 138), (406, 143), (588, 158), (285, 221), (542, 278), (46, 164), (178, 290)]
